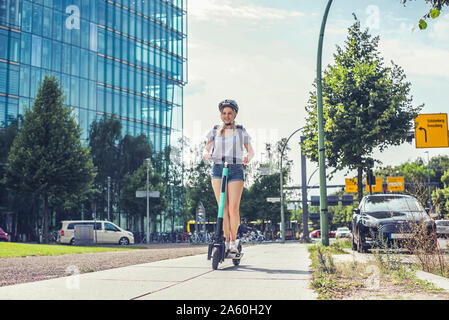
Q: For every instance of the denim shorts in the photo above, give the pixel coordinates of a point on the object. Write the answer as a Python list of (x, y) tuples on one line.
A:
[(235, 172)]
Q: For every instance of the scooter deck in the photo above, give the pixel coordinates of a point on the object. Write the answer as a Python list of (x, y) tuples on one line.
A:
[(236, 256)]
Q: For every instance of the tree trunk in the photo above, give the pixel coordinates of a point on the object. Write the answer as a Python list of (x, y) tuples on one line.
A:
[(360, 183), (15, 223), (45, 221), (36, 218)]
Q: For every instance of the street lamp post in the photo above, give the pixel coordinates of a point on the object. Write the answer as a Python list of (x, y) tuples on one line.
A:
[(324, 224), (282, 187), (109, 197), (148, 199)]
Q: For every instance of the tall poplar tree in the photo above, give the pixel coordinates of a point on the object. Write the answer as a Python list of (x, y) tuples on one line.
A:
[(366, 105), (47, 158)]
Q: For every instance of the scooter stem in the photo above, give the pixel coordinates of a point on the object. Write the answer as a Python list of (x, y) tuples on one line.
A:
[(224, 183)]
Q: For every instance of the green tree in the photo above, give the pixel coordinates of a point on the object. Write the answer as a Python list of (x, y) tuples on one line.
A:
[(137, 207), (47, 158), (7, 136), (199, 189), (366, 106), (104, 139), (440, 197)]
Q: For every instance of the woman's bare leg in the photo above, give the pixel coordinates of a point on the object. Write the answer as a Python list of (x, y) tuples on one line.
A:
[(235, 189), (216, 185)]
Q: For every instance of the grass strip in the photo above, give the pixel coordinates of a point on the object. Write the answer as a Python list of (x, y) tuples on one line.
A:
[(12, 249)]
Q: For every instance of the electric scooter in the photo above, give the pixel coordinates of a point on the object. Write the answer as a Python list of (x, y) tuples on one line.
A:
[(217, 248)]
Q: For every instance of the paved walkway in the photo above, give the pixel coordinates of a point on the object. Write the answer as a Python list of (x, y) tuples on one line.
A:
[(267, 271)]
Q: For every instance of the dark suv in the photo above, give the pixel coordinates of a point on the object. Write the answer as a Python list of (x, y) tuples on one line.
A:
[(387, 217)]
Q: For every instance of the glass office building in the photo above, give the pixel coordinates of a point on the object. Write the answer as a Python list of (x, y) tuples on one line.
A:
[(125, 58)]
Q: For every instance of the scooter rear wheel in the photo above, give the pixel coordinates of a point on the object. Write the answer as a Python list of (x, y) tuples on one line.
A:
[(215, 258)]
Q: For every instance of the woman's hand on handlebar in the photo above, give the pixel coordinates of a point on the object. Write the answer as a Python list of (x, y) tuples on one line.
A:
[(207, 156)]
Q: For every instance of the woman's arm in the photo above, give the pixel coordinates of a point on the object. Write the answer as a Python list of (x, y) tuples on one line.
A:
[(207, 154), (250, 153)]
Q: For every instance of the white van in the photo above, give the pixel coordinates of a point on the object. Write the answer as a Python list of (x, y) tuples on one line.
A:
[(106, 232)]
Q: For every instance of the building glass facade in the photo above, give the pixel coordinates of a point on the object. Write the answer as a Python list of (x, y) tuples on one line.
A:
[(125, 58), (122, 57)]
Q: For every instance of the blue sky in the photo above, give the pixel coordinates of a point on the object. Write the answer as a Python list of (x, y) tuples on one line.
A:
[(263, 54)]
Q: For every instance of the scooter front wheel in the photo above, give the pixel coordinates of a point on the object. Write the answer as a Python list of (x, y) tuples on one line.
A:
[(215, 258)]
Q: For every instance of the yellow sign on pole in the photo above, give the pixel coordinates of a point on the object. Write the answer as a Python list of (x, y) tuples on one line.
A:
[(431, 131), (395, 183), (351, 185), (377, 187)]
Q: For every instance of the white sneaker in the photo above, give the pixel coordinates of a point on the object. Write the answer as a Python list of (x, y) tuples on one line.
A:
[(227, 246), (233, 247)]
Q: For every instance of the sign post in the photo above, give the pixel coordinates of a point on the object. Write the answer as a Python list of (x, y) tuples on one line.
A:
[(148, 194), (200, 217), (375, 187)]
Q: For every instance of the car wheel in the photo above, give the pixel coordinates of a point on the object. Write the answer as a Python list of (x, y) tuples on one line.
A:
[(123, 241), (354, 246), (360, 247), (72, 242)]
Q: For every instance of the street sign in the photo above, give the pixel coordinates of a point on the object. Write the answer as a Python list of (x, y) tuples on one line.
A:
[(395, 183), (351, 185), (431, 131), (264, 171), (274, 199), (347, 200), (375, 187), (315, 201), (332, 200), (151, 194)]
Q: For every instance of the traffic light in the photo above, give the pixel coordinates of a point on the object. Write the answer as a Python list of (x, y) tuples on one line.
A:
[(410, 136), (370, 178)]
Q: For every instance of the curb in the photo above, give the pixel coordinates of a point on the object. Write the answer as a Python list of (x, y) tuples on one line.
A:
[(440, 282)]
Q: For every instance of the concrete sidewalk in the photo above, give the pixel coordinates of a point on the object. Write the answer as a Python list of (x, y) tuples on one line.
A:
[(267, 272)]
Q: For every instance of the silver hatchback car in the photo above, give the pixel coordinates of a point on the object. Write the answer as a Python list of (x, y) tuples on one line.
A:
[(442, 228)]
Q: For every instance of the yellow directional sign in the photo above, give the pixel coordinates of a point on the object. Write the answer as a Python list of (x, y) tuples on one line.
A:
[(431, 130), (395, 183), (377, 187), (351, 185)]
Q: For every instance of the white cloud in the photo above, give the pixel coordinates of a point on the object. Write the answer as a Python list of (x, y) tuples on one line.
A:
[(269, 88), (416, 57), (439, 28), (223, 10)]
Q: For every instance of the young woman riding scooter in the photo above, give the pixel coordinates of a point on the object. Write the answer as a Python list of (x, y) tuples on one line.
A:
[(229, 143)]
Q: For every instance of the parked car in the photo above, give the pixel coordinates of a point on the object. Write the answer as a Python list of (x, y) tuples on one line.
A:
[(343, 232), (386, 217), (442, 228), (3, 235), (317, 234), (105, 232)]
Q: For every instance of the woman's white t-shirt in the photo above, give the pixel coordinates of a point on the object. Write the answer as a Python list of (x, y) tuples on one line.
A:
[(230, 149)]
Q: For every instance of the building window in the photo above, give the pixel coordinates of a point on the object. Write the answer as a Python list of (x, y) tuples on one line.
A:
[(36, 52), (37, 19), (24, 81)]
